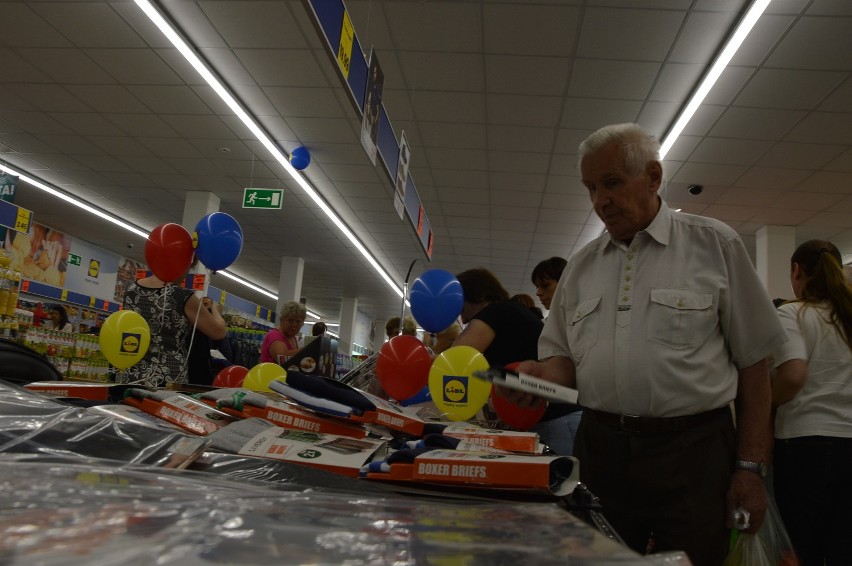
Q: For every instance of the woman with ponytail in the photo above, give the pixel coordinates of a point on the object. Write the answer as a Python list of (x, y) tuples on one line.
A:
[(812, 391)]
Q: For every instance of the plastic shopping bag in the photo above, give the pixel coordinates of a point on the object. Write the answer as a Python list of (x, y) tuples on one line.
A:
[(771, 545), (748, 551)]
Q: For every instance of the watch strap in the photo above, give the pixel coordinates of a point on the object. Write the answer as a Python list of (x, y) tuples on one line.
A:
[(758, 468)]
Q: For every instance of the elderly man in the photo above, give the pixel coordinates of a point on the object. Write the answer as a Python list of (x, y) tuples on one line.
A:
[(660, 324)]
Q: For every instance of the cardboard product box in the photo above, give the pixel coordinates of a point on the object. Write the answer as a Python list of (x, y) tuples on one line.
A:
[(289, 415), (89, 391), (340, 454), (508, 440), (188, 413), (557, 475)]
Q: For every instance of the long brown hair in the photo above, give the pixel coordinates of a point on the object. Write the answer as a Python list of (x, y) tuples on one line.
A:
[(821, 263)]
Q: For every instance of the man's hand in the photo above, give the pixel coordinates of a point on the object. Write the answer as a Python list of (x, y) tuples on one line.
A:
[(747, 492)]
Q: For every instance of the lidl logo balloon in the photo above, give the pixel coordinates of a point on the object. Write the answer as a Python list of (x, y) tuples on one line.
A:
[(130, 343), (455, 389), (124, 338), (456, 392)]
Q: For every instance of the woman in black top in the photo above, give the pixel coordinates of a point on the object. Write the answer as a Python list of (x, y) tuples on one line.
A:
[(505, 331)]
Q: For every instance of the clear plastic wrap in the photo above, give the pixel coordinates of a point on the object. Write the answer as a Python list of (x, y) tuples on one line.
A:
[(79, 486)]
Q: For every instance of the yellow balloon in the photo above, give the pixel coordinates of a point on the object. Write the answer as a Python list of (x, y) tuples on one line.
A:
[(260, 376), (124, 338), (455, 391)]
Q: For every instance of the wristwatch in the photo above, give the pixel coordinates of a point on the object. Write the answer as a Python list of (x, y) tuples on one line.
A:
[(757, 467)]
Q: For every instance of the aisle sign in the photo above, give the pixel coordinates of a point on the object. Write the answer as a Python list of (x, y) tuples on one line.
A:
[(347, 37), (262, 198), (15, 217)]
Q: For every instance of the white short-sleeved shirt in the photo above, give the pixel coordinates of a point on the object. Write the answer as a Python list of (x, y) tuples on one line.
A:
[(661, 327), (824, 405)]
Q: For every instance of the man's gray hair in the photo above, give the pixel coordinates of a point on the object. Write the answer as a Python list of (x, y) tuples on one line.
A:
[(640, 148)]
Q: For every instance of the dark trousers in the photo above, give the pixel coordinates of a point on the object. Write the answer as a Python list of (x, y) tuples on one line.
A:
[(668, 487), (813, 488)]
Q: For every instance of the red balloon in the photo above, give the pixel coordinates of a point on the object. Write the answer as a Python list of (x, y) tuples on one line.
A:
[(168, 251), (231, 376), (517, 417), (403, 366)]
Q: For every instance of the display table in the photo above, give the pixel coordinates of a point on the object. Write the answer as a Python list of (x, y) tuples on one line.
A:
[(82, 487)]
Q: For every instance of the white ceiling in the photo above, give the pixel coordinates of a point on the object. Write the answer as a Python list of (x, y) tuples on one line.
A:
[(494, 97)]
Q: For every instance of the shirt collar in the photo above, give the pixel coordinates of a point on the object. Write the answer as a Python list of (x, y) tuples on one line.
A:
[(659, 229)]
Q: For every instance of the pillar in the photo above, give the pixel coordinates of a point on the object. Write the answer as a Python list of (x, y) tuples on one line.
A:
[(290, 280), (775, 245), (348, 318)]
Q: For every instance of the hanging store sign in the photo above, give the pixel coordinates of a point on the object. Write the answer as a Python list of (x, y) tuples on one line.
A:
[(262, 198)]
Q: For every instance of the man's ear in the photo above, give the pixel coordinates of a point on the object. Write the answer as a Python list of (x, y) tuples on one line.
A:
[(654, 170)]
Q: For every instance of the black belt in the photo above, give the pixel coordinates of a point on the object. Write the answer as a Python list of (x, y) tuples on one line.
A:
[(653, 425)]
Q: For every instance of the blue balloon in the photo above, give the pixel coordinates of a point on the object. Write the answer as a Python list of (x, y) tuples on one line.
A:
[(436, 299), (300, 158), (219, 240)]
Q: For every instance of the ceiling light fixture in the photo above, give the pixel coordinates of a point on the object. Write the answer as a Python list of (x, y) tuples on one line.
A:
[(728, 51), (171, 34), (71, 200)]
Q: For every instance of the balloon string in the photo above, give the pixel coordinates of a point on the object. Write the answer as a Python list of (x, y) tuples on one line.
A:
[(194, 327)]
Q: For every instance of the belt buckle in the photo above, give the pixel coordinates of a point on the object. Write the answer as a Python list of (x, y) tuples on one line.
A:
[(629, 423)]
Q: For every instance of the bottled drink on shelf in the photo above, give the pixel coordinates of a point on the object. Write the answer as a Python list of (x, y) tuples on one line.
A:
[(14, 289), (5, 283)]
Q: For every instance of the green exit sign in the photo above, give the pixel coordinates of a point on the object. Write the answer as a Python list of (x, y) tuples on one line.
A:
[(74, 259), (262, 198)]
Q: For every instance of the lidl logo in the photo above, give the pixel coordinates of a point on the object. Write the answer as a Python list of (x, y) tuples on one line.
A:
[(455, 389), (130, 342), (94, 268)]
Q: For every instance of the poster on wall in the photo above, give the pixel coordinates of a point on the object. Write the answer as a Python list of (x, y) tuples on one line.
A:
[(91, 270), (40, 254), (372, 107)]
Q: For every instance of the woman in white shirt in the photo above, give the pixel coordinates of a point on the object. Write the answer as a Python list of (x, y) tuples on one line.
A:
[(812, 390), (59, 318)]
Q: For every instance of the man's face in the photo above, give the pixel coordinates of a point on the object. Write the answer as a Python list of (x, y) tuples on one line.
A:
[(626, 203)]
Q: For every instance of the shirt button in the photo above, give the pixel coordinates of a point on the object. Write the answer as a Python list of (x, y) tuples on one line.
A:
[(680, 303), (627, 278), (627, 287), (628, 268), (625, 298)]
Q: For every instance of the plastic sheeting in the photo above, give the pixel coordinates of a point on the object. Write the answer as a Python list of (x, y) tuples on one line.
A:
[(81, 487)]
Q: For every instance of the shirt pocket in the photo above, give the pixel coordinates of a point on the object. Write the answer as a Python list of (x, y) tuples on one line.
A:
[(583, 325), (680, 318)]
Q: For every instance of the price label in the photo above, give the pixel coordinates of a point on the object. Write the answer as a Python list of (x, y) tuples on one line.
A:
[(64, 295), (198, 282), (347, 37), (25, 285), (257, 311), (22, 220), (91, 301)]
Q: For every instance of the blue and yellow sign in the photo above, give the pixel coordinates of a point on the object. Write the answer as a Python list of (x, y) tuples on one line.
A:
[(457, 393), (455, 389)]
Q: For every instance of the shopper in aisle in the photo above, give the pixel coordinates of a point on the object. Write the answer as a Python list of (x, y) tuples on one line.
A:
[(812, 389), (445, 339), (318, 329), (560, 421), (661, 323), (545, 276), (528, 302), (284, 340), (59, 318), (409, 327), (171, 313), (506, 331), (203, 365)]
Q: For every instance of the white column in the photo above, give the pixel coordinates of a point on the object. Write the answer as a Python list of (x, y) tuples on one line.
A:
[(348, 317), (290, 280), (199, 204), (775, 245)]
